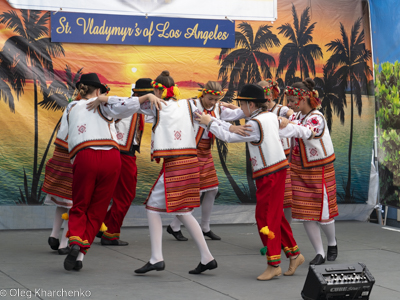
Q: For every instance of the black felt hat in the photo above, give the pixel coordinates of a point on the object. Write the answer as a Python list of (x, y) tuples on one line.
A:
[(252, 92), (143, 86), (93, 80)]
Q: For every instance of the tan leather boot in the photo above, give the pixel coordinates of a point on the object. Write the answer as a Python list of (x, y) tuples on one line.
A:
[(270, 273), (294, 264)]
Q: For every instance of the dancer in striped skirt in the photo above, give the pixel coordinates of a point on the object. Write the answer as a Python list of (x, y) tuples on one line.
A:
[(313, 174), (207, 102)]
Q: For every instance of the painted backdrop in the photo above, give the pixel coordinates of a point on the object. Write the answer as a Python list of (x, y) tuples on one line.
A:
[(323, 39)]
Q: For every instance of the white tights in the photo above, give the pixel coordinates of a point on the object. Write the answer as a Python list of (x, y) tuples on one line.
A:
[(58, 221), (206, 209), (155, 227), (314, 234)]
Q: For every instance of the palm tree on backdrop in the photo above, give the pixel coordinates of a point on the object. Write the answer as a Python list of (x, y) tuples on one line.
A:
[(5, 90), (56, 98), (351, 58), (333, 98), (30, 54), (298, 53), (246, 63)]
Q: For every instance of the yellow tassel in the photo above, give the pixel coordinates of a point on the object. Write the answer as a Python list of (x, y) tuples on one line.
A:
[(265, 230), (65, 216), (177, 92), (164, 94), (200, 94), (103, 227)]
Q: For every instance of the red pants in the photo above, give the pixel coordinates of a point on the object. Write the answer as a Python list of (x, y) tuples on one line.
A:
[(269, 212), (123, 196), (95, 176)]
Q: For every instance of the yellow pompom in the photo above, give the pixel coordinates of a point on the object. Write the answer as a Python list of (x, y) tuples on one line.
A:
[(65, 216), (103, 227), (265, 230), (164, 94), (177, 92)]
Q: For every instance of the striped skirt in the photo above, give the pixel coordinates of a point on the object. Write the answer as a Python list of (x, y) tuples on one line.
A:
[(308, 187), (287, 201), (177, 190), (58, 179), (208, 175)]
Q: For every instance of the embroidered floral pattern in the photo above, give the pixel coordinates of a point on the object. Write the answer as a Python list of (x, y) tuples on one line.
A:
[(313, 152), (81, 129), (145, 105), (313, 122), (120, 135), (152, 145), (253, 161), (177, 134)]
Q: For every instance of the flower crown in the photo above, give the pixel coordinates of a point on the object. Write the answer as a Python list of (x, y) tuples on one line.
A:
[(272, 89), (171, 92), (300, 93), (211, 92), (267, 90)]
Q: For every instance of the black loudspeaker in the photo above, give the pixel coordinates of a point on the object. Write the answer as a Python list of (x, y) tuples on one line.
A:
[(334, 282)]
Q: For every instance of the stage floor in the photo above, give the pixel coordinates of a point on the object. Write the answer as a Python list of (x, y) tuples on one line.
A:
[(29, 269)]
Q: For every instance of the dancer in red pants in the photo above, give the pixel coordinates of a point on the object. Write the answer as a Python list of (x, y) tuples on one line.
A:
[(92, 146), (129, 135), (269, 165)]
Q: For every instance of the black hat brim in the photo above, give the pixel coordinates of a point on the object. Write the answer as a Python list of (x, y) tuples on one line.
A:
[(102, 88), (142, 93)]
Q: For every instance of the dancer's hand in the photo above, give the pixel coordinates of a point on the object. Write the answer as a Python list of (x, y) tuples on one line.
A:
[(241, 129), (203, 118), (283, 122), (228, 105), (96, 103), (154, 101)]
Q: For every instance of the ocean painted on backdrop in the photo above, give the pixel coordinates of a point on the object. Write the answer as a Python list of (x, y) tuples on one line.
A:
[(17, 152)]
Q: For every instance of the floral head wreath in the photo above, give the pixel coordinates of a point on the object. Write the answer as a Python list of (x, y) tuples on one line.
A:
[(314, 100), (272, 88), (171, 92), (211, 92), (300, 94)]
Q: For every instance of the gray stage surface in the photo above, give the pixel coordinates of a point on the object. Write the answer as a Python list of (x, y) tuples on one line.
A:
[(30, 270)]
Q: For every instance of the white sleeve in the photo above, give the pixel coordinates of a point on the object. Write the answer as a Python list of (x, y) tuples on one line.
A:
[(283, 111), (296, 131), (120, 107), (145, 109), (221, 132), (63, 130), (228, 114)]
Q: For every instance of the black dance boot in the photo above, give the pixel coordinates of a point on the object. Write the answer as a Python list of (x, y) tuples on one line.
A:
[(150, 267), (177, 234), (332, 253), (70, 260), (211, 235), (201, 268), (78, 265), (318, 260), (53, 243)]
